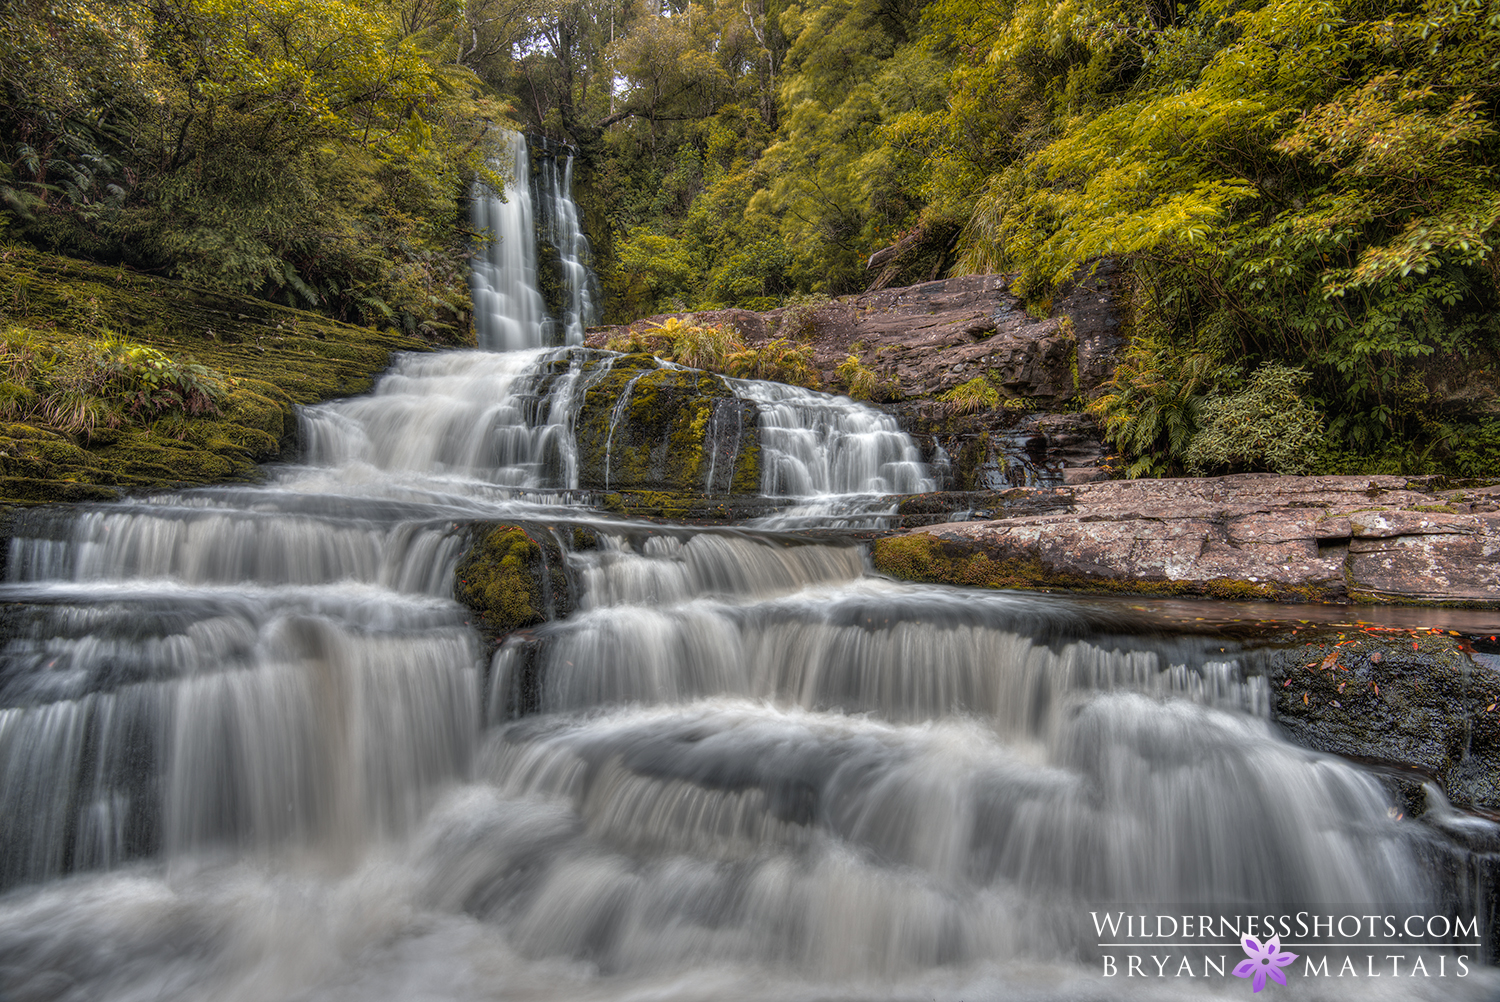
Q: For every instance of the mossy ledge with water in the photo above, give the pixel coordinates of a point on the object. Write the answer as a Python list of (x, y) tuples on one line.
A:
[(648, 426), (68, 438)]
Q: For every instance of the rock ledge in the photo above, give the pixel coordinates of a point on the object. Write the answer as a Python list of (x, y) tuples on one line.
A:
[(1368, 539)]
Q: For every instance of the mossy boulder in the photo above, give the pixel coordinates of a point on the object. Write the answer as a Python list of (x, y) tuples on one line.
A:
[(513, 576), (645, 426), (1416, 700), (271, 358)]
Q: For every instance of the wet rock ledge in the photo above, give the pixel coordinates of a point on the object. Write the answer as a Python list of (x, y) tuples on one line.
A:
[(1369, 539)]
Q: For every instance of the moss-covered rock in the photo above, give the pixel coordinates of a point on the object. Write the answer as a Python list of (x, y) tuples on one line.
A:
[(513, 576), (1416, 700), (648, 427), (666, 506), (500, 578), (271, 357)]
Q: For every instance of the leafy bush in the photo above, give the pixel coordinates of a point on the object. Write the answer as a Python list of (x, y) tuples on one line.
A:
[(152, 384), (1269, 425)]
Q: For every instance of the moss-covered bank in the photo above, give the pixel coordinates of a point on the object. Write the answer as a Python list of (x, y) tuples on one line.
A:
[(266, 359)]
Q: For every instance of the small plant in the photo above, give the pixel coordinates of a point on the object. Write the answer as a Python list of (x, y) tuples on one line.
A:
[(79, 387), (860, 381), (704, 346), (777, 360), (152, 384), (638, 342), (701, 346), (973, 397), (1151, 410)]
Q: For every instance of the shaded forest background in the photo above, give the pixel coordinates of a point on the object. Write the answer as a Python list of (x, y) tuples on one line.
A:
[(1301, 193)]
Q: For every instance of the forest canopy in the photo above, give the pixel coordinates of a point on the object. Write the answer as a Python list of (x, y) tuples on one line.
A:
[(1300, 195)]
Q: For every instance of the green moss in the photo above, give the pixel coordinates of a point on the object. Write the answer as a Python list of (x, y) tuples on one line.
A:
[(1445, 509), (500, 579), (274, 358), (656, 442)]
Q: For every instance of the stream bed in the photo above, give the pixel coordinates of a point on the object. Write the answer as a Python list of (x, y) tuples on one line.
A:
[(252, 748)]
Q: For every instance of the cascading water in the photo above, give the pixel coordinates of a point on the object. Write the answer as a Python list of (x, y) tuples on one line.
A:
[(509, 310), (561, 229), (250, 748)]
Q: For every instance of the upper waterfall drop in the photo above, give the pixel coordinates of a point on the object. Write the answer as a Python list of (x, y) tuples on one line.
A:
[(559, 227), (510, 310), (508, 307)]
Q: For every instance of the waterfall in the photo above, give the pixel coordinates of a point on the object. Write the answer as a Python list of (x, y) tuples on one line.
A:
[(560, 227), (509, 310), (252, 748), (816, 443), (511, 419)]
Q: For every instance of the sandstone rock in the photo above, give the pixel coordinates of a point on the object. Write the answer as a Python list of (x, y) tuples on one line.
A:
[(924, 340), (1332, 539), (938, 334)]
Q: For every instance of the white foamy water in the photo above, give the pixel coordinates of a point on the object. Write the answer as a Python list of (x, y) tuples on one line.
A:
[(251, 749)]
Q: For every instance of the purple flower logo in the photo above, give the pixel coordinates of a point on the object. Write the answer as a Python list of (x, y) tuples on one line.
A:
[(1265, 962)]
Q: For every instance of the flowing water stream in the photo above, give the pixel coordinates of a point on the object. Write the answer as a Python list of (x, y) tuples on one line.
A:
[(251, 748)]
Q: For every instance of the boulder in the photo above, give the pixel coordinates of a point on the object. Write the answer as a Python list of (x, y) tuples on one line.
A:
[(646, 426), (1420, 701)]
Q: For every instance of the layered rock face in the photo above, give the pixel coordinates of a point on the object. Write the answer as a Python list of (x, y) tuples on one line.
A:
[(1333, 539), (922, 341)]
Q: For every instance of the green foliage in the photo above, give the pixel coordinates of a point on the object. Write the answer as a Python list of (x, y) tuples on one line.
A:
[(699, 346), (79, 385), (779, 360), (860, 381), (703, 346), (1309, 185), (1266, 426), (972, 397), (311, 151), (1151, 408)]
